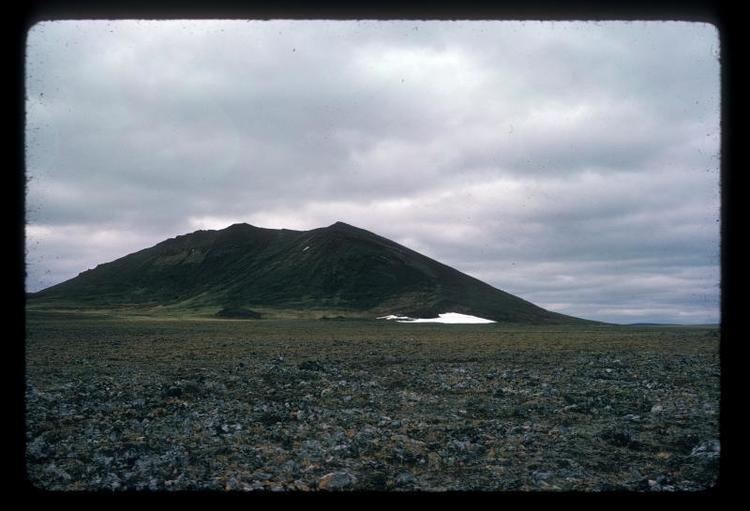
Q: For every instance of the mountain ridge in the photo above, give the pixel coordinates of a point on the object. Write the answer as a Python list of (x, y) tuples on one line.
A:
[(339, 269)]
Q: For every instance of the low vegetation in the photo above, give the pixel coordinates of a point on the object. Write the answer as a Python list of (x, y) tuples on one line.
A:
[(270, 405)]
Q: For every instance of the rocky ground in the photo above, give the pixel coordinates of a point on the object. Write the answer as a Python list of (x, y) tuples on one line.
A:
[(310, 406)]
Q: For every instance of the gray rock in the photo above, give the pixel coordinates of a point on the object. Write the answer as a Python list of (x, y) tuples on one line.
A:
[(336, 481), (232, 485), (37, 448), (291, 467), (57, 472), (542, 475), (405, 479), (708, 449)]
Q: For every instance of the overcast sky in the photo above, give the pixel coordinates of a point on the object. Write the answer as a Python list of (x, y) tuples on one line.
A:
[(574, 164)]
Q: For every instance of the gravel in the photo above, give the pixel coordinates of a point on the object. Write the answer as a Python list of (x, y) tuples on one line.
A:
[(166, 408)]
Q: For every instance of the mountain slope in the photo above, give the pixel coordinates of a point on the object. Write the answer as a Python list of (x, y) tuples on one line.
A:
[(338, 269)]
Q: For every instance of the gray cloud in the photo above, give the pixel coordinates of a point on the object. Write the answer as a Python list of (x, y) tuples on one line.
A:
[(574, 164)]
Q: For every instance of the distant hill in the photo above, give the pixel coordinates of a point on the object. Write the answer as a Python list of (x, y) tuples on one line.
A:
[(682, 325), (339, 271)]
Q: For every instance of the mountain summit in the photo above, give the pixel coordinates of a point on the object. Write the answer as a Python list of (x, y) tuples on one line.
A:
[(247, 271)]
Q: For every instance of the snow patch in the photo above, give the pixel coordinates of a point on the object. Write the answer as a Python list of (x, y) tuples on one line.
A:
[(447, 317)]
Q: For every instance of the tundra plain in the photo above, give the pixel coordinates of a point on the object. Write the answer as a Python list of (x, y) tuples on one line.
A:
[(168, 404)]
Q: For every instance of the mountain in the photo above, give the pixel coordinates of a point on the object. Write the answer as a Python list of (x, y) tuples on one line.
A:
[(252, 272)]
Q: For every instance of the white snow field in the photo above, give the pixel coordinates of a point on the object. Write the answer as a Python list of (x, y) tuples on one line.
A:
[(447, 317)]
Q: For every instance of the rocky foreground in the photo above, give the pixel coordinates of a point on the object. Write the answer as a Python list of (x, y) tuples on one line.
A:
[(311, 406)]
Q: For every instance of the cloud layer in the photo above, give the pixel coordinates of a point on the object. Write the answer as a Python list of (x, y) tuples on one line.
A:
[(572, 164)]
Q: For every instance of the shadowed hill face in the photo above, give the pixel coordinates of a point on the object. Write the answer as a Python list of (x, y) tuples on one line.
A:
[(242, 267)]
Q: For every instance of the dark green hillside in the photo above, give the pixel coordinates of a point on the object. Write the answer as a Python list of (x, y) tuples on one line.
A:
[(337, 270)]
